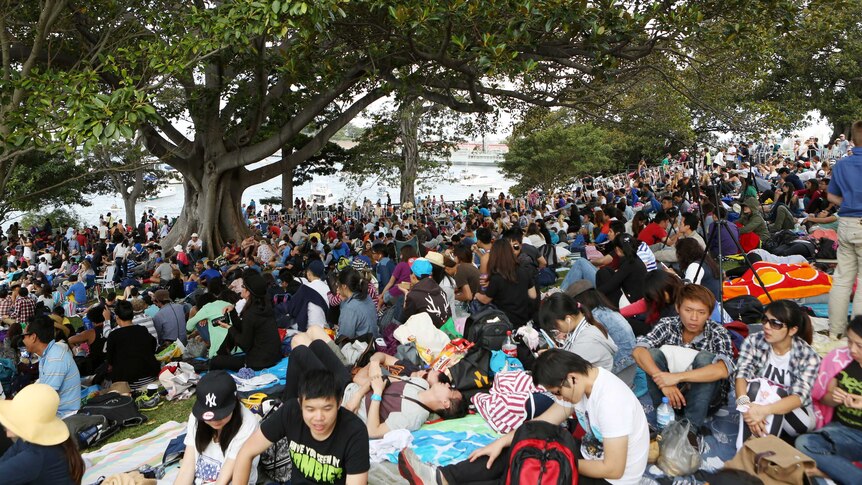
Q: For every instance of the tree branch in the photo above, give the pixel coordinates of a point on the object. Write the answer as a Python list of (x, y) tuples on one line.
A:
[(312, 109), (314, 145)]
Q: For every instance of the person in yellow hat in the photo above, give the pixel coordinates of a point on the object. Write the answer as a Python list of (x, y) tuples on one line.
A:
[(43, 452)]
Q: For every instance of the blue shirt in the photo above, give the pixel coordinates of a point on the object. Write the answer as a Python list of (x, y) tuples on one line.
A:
[(34, 464), (57, 369), (846, 175), (80, 291), (357, 317), (384, 267), (210, 273)]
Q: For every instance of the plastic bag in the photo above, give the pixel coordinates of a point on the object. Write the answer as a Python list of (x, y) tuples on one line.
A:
[(679, 449)]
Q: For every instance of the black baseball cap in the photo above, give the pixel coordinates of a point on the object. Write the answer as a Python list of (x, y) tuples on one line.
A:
[(216, 396)]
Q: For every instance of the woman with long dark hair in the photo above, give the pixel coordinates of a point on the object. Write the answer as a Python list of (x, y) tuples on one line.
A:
[(778, 362), (358, 314), (401, 274), (509, 285), (218, 427), (628, 277), (618, 328), (43, 451), (689, 254), (253, 330), (573, 328)]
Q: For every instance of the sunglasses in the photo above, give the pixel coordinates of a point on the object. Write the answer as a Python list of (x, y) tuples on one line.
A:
[(773, 323), (516, 247)]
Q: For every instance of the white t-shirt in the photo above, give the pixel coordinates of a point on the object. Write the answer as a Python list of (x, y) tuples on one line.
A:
[(778, 368), (103, 232), (613, 411), (316, 314), (209, 463)]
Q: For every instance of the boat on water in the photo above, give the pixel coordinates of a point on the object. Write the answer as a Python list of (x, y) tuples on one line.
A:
[(322, 196), (163, 193)]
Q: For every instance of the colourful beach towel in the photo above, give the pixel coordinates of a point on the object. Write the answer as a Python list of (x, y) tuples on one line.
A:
[(130, 454), (784, 282), (450, 441)]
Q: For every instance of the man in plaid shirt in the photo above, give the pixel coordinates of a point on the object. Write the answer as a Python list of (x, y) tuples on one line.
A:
[(703, 386), (24, 307), (6, 303)]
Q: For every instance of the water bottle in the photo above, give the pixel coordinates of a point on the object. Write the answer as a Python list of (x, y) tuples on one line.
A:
[(509, 348), (664, 414)]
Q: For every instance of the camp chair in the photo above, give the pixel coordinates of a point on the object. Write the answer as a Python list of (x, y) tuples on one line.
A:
[(413, 241)]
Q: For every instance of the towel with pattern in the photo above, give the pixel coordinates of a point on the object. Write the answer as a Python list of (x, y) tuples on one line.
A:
[(130, 454), (450, 441)]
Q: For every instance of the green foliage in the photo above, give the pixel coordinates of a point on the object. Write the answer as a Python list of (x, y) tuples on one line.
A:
[(61, 218), (556, 155), (379, 156), (40, 180)]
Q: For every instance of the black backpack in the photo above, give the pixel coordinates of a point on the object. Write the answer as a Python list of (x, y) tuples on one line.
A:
[(116, 407), (826, 249), (542, 454), (487, 329), (744, 308), (472, 374)]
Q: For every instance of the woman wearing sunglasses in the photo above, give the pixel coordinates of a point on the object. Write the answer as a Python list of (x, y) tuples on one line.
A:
[(776, 371)]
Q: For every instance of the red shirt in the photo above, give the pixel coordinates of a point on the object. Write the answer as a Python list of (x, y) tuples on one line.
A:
[(652, 234)]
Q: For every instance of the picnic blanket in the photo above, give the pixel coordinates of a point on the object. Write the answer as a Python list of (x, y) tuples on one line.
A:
[(784, 281), (131, 454), (450, 441)]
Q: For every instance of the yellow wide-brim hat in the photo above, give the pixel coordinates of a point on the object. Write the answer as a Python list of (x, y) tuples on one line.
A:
[(32, 416)]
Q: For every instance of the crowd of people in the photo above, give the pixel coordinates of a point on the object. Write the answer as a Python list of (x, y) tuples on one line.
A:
[(636, 322)]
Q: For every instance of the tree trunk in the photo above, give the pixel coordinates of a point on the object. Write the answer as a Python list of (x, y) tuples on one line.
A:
[(287, 190), (130, 200), (212, 208), (838, 129), (410, 114)]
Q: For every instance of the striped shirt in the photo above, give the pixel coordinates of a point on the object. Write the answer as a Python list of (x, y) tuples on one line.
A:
[(57, 369), (146, 321), (647, 256)]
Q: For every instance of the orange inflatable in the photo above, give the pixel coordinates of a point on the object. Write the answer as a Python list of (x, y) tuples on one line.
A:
[(784, 282)]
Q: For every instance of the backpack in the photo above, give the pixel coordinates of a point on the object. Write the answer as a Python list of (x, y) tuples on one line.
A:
[(744, 308), (90, 431), (275, 462), (7, 373), (542, 454), (472, 373), (826, 249), (115, 407), (487, 329)]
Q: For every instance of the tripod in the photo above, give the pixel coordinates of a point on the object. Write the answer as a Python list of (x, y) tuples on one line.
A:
[(721, 223)]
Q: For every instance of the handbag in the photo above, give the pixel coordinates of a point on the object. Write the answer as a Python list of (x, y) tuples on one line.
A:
[(773, 461)]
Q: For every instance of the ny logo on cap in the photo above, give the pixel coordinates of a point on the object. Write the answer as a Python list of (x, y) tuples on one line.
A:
[(211, 400)]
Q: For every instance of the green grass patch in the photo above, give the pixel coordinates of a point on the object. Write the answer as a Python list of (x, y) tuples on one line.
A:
[(169, 411)]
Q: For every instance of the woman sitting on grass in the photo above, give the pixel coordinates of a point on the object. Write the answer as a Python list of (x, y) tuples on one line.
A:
[(217, 429)]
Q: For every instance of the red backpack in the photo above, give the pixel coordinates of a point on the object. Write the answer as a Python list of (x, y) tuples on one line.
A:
[(542, 454)]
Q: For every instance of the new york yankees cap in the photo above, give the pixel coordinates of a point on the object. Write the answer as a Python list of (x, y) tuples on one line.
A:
[(216, 396)]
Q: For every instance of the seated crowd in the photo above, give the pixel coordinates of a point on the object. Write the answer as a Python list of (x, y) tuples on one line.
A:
[(637, 322)]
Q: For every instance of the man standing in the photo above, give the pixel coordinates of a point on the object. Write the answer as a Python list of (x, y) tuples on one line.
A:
[(845, 191), (56, 365)]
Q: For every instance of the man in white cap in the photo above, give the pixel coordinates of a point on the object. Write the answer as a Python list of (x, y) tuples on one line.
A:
[(195, 247)]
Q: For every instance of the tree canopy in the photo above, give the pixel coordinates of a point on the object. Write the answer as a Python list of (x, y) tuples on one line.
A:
[(216, 87)]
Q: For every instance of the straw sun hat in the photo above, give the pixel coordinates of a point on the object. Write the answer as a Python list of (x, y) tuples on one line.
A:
[(32, 416)]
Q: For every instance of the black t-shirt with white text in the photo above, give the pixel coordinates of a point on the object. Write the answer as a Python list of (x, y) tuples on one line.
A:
[(344, 452), (850, 381)]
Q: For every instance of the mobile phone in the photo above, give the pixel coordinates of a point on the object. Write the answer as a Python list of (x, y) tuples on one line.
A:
[(222, 319)]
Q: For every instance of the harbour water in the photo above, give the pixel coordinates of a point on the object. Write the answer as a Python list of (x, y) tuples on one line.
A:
[(473, 180)]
